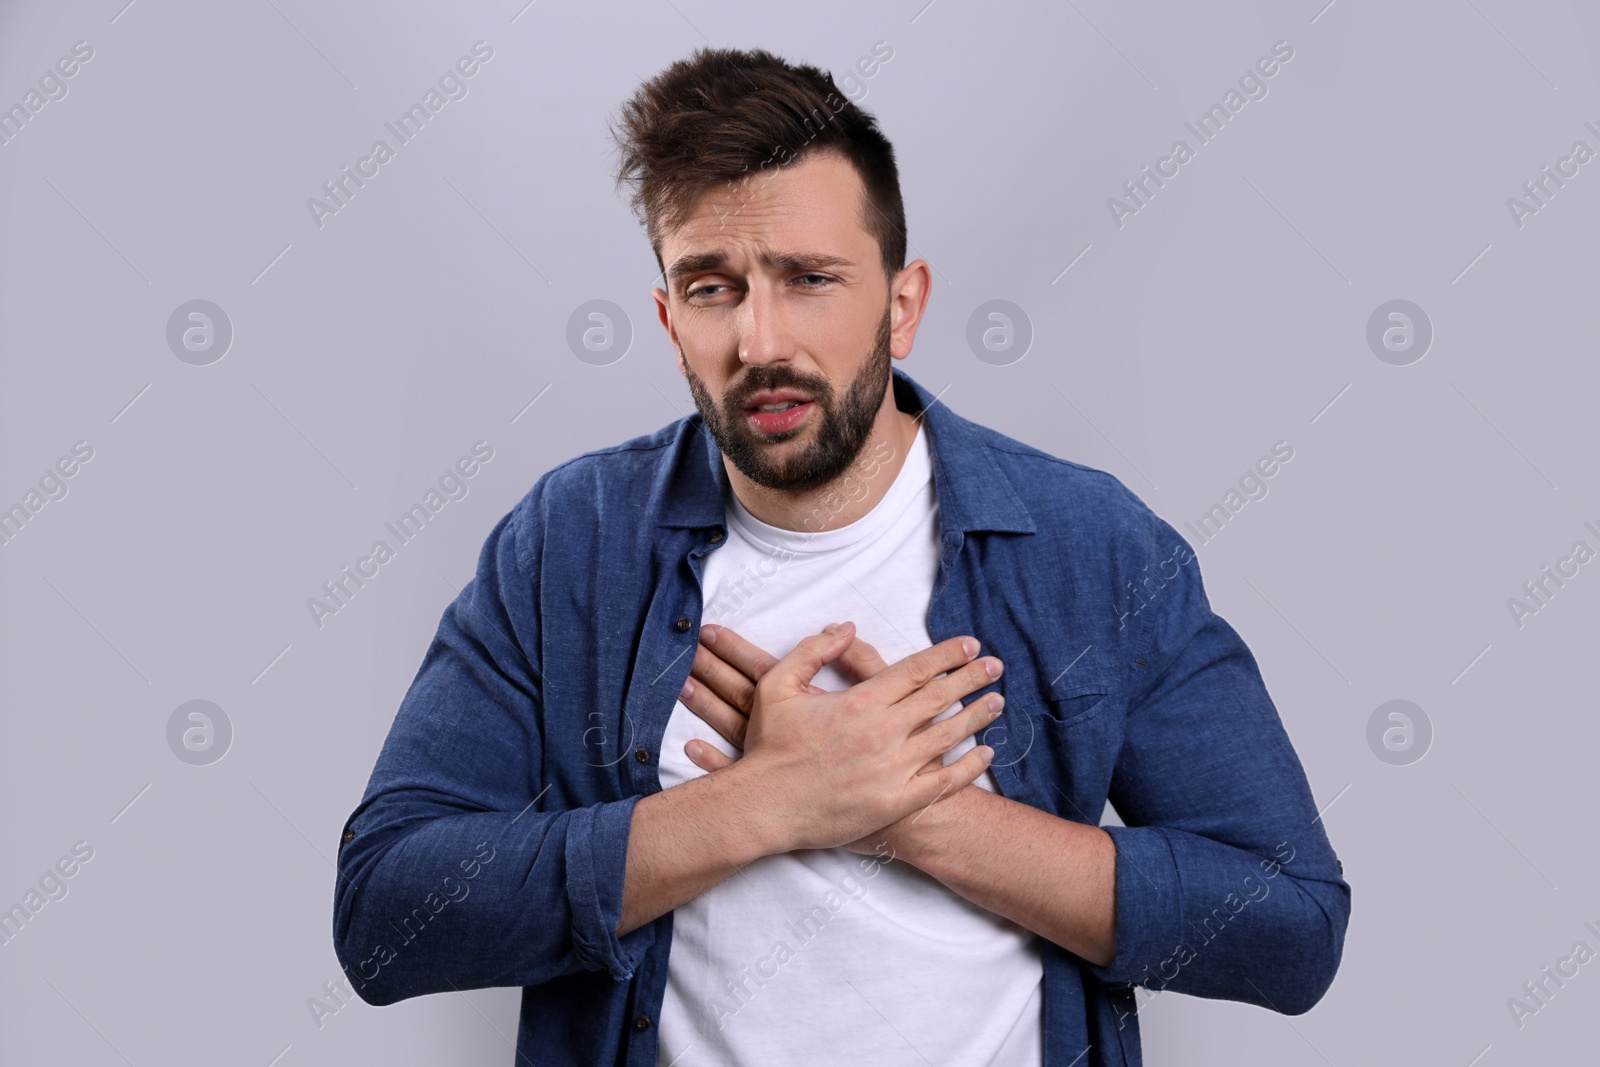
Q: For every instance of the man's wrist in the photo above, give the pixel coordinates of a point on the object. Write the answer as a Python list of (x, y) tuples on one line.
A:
[(767, 830), (922, 838)]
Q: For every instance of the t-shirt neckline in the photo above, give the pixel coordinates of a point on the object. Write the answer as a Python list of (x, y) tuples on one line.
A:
[(913, 475)]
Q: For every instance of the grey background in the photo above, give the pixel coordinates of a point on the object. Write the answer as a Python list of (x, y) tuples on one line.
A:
[(1230, 313)]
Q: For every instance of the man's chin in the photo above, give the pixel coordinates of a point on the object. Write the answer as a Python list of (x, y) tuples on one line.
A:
[(778, 465)]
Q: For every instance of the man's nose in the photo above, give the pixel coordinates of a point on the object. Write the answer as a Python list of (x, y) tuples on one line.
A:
[(764, 335)]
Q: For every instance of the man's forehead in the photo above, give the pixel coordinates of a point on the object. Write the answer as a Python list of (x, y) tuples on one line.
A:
[(811, 208)]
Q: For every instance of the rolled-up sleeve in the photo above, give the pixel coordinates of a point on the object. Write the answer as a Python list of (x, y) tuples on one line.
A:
[(1226, 885), (456, 871), (597, 848)]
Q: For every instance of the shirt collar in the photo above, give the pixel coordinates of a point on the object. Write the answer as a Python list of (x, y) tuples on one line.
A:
[(974, 493)]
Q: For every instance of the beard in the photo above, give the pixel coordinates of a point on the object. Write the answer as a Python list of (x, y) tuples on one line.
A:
[(842, 425)]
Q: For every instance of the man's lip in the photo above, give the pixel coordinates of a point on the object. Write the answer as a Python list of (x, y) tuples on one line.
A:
[(775, 396)]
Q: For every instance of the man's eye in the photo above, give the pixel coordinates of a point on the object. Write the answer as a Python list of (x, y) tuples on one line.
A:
[(807, 281)]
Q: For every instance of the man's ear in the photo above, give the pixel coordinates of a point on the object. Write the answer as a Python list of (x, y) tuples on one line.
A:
[(908, 299)]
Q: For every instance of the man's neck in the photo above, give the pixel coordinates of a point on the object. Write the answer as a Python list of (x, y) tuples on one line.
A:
[(847, 497)]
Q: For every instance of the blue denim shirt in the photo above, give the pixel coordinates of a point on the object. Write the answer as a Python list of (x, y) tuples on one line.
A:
[(489, 847)]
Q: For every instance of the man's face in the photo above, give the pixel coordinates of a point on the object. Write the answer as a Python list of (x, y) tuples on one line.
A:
[(778, 297)]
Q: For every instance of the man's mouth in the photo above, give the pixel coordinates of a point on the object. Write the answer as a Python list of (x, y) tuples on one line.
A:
[(777, 410)]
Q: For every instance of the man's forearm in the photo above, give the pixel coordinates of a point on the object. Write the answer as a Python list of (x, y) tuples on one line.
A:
[(1049, 875), (684, 840)]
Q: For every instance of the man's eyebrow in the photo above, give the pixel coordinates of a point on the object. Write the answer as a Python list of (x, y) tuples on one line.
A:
[(803, 260), (787, 261), (693, 264)]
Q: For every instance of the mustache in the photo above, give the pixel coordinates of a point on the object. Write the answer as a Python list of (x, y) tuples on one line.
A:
[(738, 396)]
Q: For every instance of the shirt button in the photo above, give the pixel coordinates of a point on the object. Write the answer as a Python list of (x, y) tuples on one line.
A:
[(641, 755), (683, 624), (716, 537), (641, 1022), (349, 836)]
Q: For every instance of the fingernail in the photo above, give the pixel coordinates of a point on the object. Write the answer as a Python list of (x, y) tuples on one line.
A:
[(987, 753), (832, 627), (993, 667), (969, 646), (693, 748), (996, 702), (708, 635), (688, 689)]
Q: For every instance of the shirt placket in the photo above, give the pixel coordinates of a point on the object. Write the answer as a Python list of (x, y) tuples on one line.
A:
[(666, 653)]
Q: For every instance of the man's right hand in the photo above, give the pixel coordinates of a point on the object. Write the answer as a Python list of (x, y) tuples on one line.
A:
[(827, 768)]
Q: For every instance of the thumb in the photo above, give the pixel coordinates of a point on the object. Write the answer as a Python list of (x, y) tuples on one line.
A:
[(706, 757), (793, 673)]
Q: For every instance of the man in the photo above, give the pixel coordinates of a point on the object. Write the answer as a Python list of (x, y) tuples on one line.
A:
[(706, 757)]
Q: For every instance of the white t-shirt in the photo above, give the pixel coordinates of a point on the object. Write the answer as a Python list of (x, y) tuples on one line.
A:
[(824, 955)]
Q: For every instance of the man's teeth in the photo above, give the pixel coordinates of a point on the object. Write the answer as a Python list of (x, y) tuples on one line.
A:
[(785, 406)]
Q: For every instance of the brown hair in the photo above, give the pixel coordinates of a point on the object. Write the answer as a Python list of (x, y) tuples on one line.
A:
[(723, 115)]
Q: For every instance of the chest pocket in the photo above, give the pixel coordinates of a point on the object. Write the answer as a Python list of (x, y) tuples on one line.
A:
[(1077, 734), (1071, 705)]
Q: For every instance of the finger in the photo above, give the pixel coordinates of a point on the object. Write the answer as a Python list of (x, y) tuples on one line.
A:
[(968, 769), (941, 737), (862, 660), (707, 757), (711, 671), (932, 699), (906, 676), (722, 717), (933, 786), (751, 660), (794, 672)]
